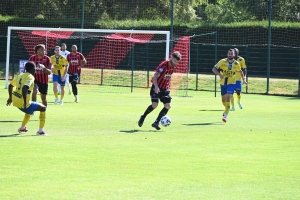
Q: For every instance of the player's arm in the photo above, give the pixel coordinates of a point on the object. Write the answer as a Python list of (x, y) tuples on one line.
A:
[(216, 72), (155, 77), (244, 72), (244, 78), (10, 89), (24, 94)]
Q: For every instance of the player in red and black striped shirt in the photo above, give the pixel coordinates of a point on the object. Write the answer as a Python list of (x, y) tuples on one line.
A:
[(76, 62), (43, 69), (160, 88)]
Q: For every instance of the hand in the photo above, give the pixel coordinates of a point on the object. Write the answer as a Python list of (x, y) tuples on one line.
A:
[(9, 101), (245, 82), (63, 78), (79, 67), (156, 90)]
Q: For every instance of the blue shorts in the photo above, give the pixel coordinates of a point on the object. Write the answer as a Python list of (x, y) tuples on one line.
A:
[(57, 78), (227, 89), (33, 106), (238, 85)]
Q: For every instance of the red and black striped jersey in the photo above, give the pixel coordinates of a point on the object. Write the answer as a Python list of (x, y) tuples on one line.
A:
[(41, 76), (165, 70), (75, 60)]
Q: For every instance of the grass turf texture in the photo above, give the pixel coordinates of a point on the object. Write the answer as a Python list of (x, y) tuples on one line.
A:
[(97, 151)]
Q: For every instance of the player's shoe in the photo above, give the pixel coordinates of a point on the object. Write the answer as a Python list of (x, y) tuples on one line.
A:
[(232, 109), (61, 102), (141, 121), (224, 119), (22, 130), (76, 99), (240, 105), (56, 100), (43, 133), (156, 125)]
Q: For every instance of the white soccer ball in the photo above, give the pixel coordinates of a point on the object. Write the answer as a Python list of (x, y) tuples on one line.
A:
[(165, 121)]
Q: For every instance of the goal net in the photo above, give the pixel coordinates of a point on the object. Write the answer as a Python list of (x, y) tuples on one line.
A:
[(117, 60)]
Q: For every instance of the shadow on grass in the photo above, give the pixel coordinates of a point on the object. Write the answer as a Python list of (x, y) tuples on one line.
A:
[(136, 131), (14, 121), (205, 124), (16, 135)]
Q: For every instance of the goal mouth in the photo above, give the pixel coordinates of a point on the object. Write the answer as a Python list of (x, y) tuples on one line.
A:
[(115, 58)]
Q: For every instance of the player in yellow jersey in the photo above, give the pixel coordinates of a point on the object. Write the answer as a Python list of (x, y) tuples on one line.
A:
[(238, 83), (59, 72), (21, 98), (227, 69)]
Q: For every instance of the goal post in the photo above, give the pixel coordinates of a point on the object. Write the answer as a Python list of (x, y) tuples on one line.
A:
[(114, 43)]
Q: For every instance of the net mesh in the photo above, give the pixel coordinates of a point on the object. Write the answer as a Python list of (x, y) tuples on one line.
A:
[(126, 60)]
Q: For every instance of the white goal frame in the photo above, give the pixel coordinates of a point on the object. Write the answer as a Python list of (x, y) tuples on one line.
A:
[(10, 28)]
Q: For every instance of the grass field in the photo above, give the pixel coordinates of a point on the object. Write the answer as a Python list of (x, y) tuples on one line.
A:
[(97, 151)]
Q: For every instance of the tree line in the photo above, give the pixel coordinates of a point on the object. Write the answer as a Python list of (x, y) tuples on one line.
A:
[(184, 10)]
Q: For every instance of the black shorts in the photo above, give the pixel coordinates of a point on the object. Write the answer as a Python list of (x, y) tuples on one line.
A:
[(42, 88), (73, 77), (164, 95)]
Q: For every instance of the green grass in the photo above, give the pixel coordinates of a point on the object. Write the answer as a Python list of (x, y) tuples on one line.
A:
[(97, 151)]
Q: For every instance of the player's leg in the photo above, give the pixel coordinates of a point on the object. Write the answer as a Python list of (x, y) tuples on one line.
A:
[(238, 93), (24, 122), (165, 97), (74, 86), (232, 103), (62, 94), (150, 108), (34, 92), (43, 89), (42, 109), (229, 93), (58, 89), (55, 79), (68, 83)]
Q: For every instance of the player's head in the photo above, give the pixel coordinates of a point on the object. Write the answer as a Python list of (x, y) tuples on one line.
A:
[(30, 67), (236, 51), (63, 46), (175, 58), (230, 54), (74, 48), (40, 49), (57, 50)]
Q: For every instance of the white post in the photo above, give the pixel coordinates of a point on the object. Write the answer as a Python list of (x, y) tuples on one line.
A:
[(167, 45), (7, 57)]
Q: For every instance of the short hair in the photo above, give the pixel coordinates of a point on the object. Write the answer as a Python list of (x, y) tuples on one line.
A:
[(63, 44), (236, 50), (57, 47), (176, 55), (29, 66), (37, 47)]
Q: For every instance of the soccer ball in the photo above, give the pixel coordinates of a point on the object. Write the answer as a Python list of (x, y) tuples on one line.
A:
[(165, 121)]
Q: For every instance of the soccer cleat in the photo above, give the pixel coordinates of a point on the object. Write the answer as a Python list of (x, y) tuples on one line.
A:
[(224, 119), (232, 109), (41, 133), (22, 130), (76, 99), (141, 121), (156, 125), (56, 100), (61, 102), (240, 105)]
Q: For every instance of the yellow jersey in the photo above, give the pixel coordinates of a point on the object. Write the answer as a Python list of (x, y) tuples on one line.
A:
[(17, 97), (59, 64), (228, 70), (242, 62)]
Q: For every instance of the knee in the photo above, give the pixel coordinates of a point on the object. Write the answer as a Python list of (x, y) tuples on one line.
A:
[(168, 106), (154, 105)]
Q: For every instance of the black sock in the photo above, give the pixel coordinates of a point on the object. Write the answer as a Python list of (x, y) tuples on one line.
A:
[(162, 113), (74, 88), (148, 110)]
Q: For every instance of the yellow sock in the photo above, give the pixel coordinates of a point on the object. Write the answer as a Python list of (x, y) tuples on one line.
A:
[(62, 96), (239, 98), (56, 94), (42, 119), (227, 107), (232, 101), (223, 103), (26, 119)]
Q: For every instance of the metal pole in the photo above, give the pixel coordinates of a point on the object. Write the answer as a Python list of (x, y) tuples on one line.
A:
[(172, 24), (269, 47), (216, 57), (299, 75), (197, 65), (82, 24)]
